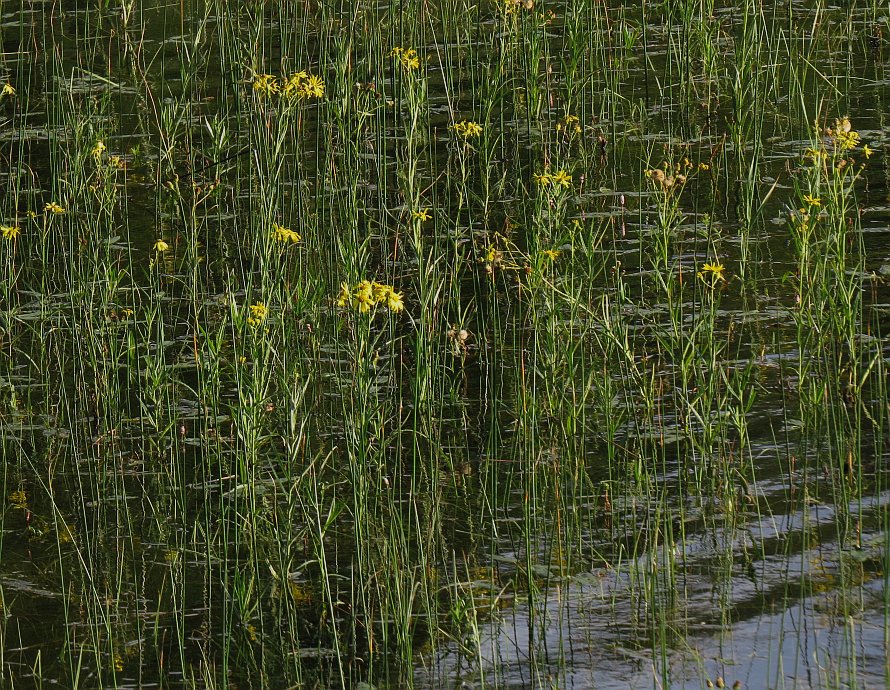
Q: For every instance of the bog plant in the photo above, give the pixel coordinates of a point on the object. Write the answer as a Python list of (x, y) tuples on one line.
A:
[(366, 295), (501, 328)]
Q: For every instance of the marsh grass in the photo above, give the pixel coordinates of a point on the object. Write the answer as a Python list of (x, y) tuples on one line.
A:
[(423, 343)]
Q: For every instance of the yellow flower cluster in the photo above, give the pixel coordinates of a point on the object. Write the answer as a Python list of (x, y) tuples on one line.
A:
[(366, 295), (570, 124), (266, 85), (467, 129), (811, 200), (7, 90), (10, 232), (844, 136), (54, 208), (841, 139), (509, 7), (712, 273), (407, 57), (98, 150), (493, 256), (299, 86), (558, 179), (833, 148), (284, 235), (258, 313)]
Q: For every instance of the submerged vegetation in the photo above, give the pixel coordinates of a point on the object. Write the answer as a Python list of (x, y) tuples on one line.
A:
[(437, 343)]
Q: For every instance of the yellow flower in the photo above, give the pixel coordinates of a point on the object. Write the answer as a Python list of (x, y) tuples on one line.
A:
[(407, 57), (364, 302), (7, 90), (844, 135), (421, 215), (265, 85), (98, 150), (492, 255), (380, 292), (10, 232), (848, 140), (551, 254), (303, 85), (394, 301), (345, 295), (569, 124), (467, 129), (368, 294), (293, 87), (161, 247), (313, 87), (364, 296), (365, 287), (542, 179), (813, 154), (715, 271), (285, 235), (867, 151), (562, 178), (66, 533), (258, 314), (812, 200), (54, 208), (509, 7)]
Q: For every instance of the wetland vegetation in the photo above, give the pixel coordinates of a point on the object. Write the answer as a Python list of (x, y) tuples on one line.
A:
[(444, 343)]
